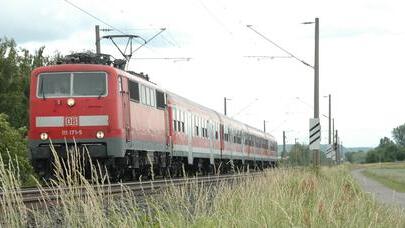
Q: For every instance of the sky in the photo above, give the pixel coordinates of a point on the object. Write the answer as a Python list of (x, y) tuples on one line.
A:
[(361, 50)]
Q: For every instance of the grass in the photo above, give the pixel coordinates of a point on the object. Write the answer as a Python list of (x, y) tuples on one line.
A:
[(391, 175), (284, 197)]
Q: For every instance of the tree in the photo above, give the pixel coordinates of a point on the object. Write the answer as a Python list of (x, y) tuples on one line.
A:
[(13, 148), (300, 155), (15, 68), (356, 157), (399, 135), (387, 151)]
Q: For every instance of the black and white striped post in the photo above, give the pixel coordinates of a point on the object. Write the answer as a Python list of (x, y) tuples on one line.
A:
[(315, 139)]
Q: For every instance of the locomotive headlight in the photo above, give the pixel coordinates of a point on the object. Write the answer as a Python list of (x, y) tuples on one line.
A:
[(71, 102), (100, 134), (43, 136)]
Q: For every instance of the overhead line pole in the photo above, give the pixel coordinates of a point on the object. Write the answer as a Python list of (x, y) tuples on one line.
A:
[(330, 120), (336, 145), (98, 49), (316, 84), (264, 126), (225, 106), (284, 151)]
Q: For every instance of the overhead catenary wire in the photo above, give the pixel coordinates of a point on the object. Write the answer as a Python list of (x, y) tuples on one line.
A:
[(310, 106), (93, 16), (216, 19), (147, 41), (245, 108), (275, 44), (267, 57), (97, 18), (175, 59)]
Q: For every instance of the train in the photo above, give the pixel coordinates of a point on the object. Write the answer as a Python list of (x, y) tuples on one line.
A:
[(133, 126)]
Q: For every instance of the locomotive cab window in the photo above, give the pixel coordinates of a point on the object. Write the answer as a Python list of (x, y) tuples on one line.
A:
[(89, 84), (77, 84), (133, 90), (54, 85)]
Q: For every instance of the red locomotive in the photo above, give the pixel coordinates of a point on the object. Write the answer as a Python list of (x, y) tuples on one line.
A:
[(130, 124)]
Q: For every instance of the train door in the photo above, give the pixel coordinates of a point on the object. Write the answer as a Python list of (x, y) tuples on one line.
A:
[(189, 126), (243, 146), (221, 136), (124, 90), (211, 136)]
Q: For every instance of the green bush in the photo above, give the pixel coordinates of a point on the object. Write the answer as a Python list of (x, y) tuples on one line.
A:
[(13, 147)]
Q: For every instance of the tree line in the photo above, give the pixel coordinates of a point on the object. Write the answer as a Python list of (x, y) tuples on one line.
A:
[(16, 65), (387, 151)]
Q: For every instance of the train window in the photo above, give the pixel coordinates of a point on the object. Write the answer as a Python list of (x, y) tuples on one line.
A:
[(182, 127), (196, 130), (120, 84), (133, 90), (143, 97), (147, 95), (160, 99), (147, 100), (89, 84), (54, 85), (175, 125), (152, 97)]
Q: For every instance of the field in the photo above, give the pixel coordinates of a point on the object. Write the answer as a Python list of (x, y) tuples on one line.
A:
[(284, 197), (391, 175)]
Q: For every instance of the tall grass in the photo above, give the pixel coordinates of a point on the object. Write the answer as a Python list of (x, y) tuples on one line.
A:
[(393, 178), (284, 197)]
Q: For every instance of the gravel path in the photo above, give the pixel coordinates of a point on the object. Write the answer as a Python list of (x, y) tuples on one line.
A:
[(381, 193)]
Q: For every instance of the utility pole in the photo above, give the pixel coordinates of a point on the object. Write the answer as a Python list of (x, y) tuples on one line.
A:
[(264, 126), (336, 146), (225, 99), (225, 106), (330, 118), (284, 151), (98, 50), (316, 86), (333, 130)]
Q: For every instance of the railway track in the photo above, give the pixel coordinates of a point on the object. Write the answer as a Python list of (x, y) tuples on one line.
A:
[(37, 197)]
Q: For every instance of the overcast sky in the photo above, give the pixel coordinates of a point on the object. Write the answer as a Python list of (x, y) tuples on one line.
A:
[(361, 55)]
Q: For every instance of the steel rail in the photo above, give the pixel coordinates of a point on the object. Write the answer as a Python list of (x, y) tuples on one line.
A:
[(48, 195)]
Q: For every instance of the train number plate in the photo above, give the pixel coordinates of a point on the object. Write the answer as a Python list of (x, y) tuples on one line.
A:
[(71, 121)]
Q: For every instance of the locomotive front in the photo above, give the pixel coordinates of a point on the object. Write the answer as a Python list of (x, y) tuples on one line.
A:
[(74, 105)]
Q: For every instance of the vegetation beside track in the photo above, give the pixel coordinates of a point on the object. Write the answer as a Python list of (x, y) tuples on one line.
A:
[(391, 175), (283, 197)]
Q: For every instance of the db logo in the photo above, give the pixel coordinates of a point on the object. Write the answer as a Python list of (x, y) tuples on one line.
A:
[(71, 121)]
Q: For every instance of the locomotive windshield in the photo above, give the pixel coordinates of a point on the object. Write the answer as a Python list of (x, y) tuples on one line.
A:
[(83, 84)]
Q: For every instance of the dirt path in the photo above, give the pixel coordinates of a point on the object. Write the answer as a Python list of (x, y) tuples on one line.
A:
[(381, 193)]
